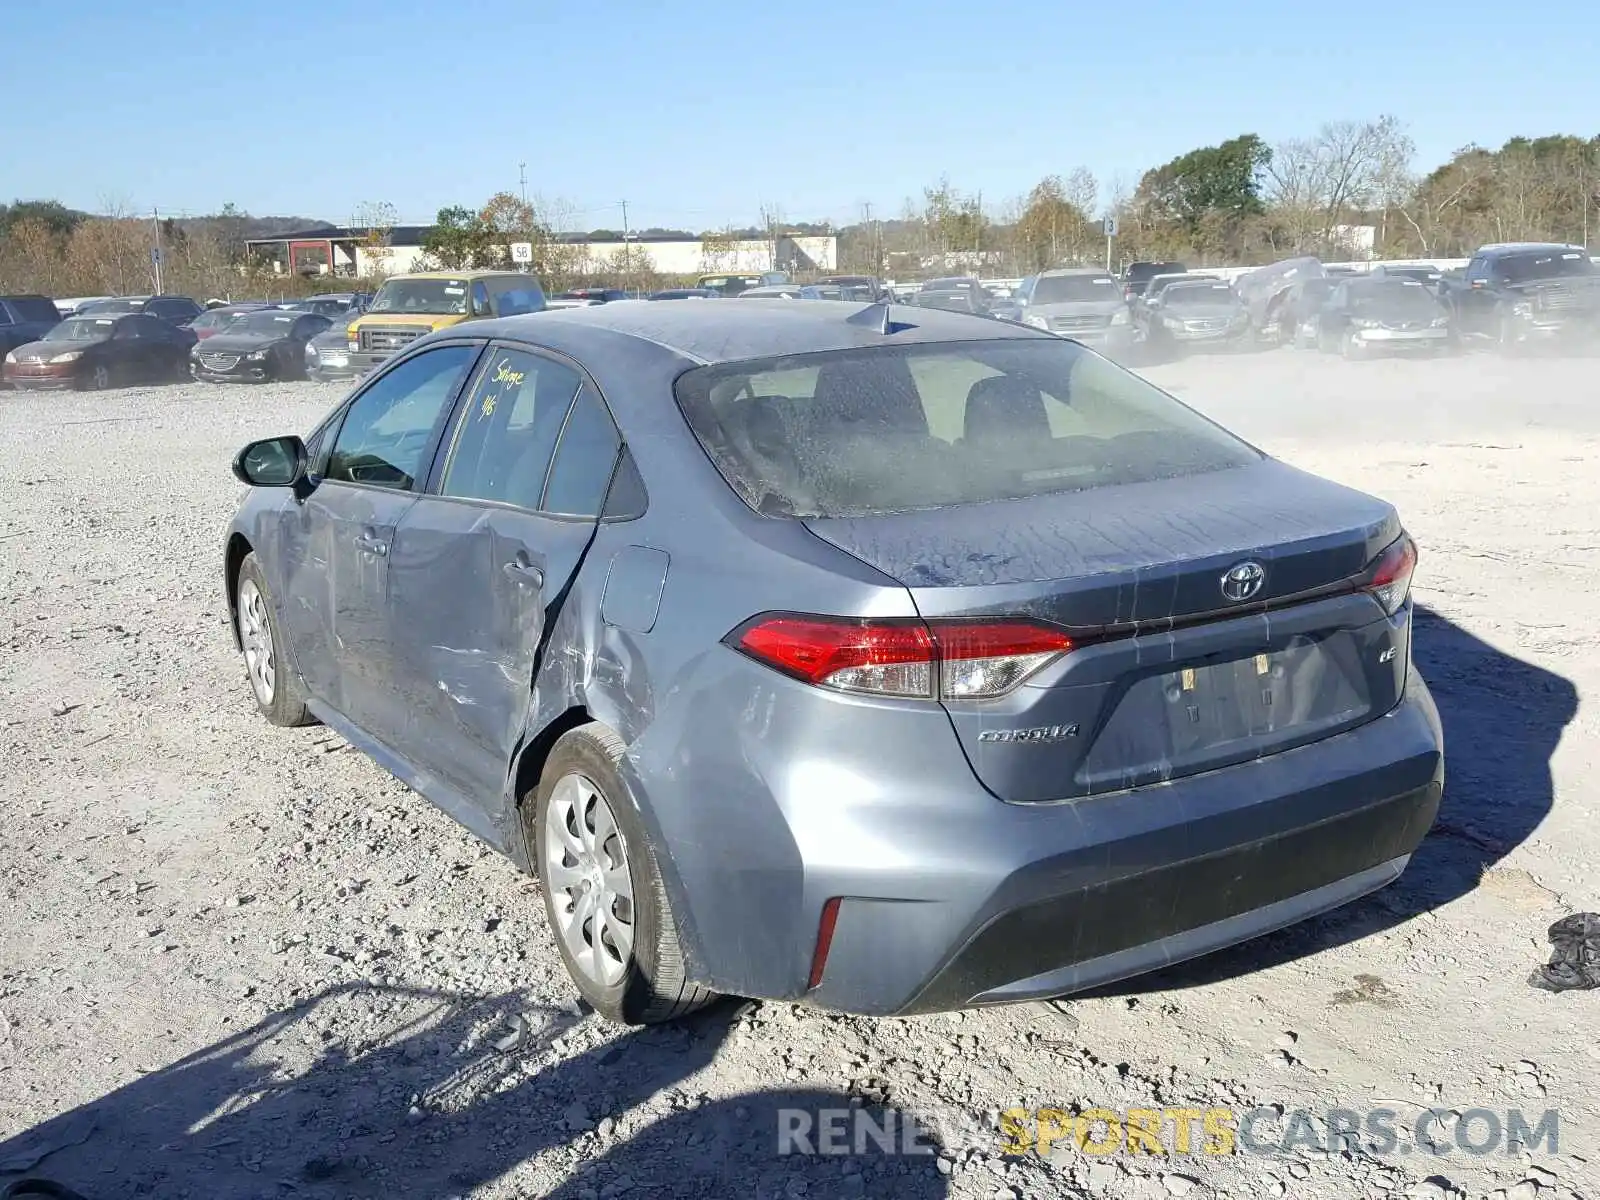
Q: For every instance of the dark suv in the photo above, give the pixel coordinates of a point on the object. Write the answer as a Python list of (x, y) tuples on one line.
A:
[(1138, 276), (25, 319)]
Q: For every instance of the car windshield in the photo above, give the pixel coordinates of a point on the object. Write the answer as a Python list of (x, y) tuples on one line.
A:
[(864, 432), (1061, 289), (1398, 297), (275, 321), (1521, 268), (438, 297), (82, 329), (1182, 295)]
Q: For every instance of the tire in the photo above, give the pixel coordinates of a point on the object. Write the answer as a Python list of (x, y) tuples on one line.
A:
[(95, 379), (1504, 339), (278, 693), (645, 982)]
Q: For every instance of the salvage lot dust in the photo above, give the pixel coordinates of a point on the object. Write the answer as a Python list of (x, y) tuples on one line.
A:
[(244, 962)]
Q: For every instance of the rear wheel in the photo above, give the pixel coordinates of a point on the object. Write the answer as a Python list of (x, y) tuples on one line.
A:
[(602, 887)]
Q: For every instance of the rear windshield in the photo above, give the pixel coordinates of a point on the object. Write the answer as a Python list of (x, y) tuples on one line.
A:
[(1059, 289), (1400, 297), (864, 432), (1180, 295)]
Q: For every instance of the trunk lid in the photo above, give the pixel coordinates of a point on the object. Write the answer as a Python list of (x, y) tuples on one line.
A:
[(1171, 676)]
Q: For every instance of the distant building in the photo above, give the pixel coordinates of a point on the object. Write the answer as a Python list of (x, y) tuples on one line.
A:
[(350, 251)]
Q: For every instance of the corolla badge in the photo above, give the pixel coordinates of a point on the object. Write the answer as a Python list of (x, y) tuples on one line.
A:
[(1243, 580)]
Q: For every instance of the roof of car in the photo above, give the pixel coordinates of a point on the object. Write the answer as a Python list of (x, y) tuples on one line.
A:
[(452, 274), (1496, 249), (1079, 271), (713, 333)]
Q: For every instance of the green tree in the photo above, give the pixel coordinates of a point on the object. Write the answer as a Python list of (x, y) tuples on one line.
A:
[(459, 239), (1224, 180)]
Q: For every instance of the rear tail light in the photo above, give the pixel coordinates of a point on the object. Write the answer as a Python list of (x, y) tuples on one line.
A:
[(1389, 577), (906, 657)]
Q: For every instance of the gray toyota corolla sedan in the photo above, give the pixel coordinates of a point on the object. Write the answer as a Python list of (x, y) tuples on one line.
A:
[(889, 659)]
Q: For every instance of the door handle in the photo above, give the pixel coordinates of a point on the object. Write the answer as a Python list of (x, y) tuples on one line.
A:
[(372, 544), (524, 572)]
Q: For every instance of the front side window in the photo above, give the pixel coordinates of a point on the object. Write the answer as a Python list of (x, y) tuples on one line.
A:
[(865, 432), (507, 430), (388, 429)]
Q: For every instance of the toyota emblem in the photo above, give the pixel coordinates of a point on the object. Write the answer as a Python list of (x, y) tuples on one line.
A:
[(1242, 581)]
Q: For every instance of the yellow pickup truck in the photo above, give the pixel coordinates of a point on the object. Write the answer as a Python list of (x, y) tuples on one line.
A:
[(408, 307)]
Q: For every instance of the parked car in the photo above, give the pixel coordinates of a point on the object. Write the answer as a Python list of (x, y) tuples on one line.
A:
[(1363, 317), (594, 295), (72, 306), (684, 294), (258, 347), (1139, 274), (731, 284), (99, 351), (1147, 303), (1429, 277), (853, 287), (782, 291), (214, 320), (25, 319), (955, 294), (1520, 294), (327, 355), (1085, 305), (408, 307), (1299, 308), (333, 305), (1198, 314), (1265, 289), (175, 310), (753, 617)]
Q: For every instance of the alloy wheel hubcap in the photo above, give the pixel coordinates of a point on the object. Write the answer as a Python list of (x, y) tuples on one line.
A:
[(591, 887), (256, 636)]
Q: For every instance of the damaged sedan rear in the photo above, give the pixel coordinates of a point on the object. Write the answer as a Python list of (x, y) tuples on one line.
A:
[(882, 658)]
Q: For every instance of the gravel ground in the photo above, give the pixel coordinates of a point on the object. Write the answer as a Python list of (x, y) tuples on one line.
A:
[(244, 962)]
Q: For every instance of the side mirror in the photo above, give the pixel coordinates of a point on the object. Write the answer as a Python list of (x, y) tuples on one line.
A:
[(272, 462)]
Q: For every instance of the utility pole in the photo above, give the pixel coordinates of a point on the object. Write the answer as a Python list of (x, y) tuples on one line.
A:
[(522, 181), (155, 254), (627, 250)]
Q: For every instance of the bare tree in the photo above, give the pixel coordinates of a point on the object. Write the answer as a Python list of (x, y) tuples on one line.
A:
[(1347, 169)]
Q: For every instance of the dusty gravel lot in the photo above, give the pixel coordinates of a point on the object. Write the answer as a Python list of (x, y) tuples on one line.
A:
[(243, 962)]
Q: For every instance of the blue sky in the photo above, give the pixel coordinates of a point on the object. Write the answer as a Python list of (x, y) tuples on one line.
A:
[(699, 112)]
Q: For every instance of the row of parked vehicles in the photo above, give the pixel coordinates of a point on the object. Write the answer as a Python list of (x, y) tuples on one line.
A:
[(1514, 295), (113, 341)]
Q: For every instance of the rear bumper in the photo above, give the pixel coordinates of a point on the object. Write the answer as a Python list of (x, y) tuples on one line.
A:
[(949, 898)]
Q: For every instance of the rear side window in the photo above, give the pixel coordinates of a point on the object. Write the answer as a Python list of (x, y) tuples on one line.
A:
[(508, 428), (866, 432), (585, 460)]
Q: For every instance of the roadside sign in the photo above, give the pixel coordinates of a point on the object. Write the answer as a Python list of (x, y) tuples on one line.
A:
[(522, 252), (1111, 226)]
